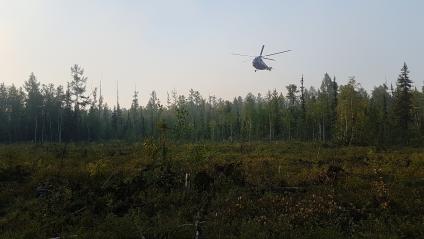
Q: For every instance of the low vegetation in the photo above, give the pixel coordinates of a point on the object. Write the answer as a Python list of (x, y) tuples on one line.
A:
[(237, 190)]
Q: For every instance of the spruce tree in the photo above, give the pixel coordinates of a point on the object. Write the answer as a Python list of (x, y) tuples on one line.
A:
[(403, 101), (34, 102)]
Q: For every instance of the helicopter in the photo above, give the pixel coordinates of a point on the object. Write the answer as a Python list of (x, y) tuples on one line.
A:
[(258, 62)]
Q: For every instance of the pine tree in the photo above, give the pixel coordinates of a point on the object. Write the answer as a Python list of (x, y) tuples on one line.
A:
[(327, 104), (334, 103), (68, 122), (302, 98), (3, 112), (15, 105), (403, 102), (292, 116), (34, 102), (78, 88), (134, 120), (59, 103), (78, 85), (303, 109)]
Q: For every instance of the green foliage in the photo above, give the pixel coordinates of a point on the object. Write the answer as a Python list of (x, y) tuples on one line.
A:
[(344, 114), (351, 113)]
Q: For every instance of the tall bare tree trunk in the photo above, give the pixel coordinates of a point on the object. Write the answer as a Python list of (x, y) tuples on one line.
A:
[(270, 127), (35, 130), (352, 121), (59, 127)]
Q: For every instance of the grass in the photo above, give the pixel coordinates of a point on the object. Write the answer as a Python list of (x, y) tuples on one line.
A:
[(257, 190)]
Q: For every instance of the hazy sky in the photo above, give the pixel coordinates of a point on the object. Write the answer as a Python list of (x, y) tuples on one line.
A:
[(165, 45)]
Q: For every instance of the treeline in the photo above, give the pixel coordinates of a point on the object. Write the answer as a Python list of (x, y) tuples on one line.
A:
[(344, 114)]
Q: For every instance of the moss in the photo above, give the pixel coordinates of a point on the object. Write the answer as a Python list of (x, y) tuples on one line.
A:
[(256, 190)]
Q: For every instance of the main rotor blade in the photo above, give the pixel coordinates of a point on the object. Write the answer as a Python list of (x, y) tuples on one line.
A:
[(262, 50), (266, 58), (277, 53), (236, 54)]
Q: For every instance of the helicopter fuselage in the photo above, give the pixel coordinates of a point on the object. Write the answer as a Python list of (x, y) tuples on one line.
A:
[(259, 64), (258, 61)]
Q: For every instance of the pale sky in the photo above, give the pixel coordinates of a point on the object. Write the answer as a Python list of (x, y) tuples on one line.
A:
[(165, 45)]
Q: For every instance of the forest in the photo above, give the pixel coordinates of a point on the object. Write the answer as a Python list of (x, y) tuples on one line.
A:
[(333, 113)]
